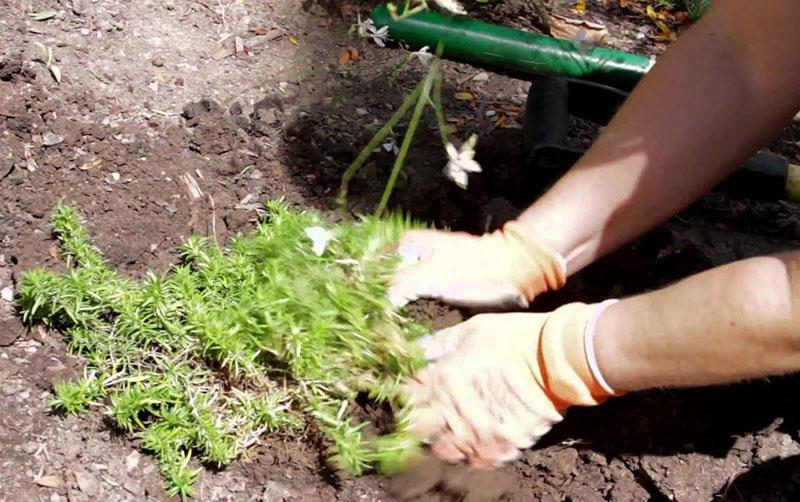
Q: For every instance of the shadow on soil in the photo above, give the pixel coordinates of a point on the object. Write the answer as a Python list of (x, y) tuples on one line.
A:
[(774, 480)]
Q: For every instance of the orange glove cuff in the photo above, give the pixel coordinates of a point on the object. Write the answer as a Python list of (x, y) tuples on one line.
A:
[(541, 268), (568, 376)]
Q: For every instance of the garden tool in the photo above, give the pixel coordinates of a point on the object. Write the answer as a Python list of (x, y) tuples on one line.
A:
[(566, 78)]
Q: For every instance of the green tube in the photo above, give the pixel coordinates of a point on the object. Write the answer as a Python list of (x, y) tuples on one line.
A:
[(476, 42)]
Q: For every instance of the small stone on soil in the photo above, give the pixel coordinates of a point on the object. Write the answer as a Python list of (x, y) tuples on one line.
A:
[(30, 447), (86, 483), (51, 139), (7, 294), (133, 488), (132, 460), (275, 492), (157, 61), (78, 7)]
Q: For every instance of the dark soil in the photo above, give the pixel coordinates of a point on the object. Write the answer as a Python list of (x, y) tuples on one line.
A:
[(144, 105)]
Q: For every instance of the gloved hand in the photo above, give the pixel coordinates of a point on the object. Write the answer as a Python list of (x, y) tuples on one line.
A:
[(506, 268), (498, 382)]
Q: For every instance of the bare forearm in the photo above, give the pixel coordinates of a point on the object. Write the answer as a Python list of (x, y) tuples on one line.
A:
[(723, 90), (731, 323)]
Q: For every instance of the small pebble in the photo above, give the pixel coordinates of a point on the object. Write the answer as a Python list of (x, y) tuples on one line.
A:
[(87, 483), (51, 139), (30, 447), (361, 112), (157, 61), (132, 460), (78, 7), (7, 294)]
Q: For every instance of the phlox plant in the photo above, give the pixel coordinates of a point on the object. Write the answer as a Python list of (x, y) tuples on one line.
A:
[(277, 332)]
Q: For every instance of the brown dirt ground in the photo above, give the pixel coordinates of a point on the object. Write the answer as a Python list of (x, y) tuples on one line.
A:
[(144, 103)]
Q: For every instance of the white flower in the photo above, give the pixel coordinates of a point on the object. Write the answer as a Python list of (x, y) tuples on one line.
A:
[(451, 6), (391, 146), (424, 55), (366, 29), (461, 162), (320, 238)]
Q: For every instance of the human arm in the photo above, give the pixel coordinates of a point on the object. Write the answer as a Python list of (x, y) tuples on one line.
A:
[(731, 323), (498, 382), (725, 88)]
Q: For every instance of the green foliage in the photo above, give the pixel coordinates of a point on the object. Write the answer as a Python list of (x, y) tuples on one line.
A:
[(77, 396), (264, 336), (695, 8)]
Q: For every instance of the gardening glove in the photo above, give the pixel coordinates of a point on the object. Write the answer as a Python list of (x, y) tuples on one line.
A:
[(506, 268), (497, 383)]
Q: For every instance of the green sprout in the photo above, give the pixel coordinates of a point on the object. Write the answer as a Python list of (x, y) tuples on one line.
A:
[(282, 329), (75, 397)]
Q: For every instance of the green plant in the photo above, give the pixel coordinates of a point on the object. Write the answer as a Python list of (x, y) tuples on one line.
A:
[(695, 8), (427, 93), (284, 327)]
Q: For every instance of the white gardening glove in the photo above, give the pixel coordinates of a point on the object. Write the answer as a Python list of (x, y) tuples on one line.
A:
[(498, 382), (506, 268)]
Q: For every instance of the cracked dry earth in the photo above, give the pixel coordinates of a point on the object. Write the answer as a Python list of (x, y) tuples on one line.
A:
[(181, 116)]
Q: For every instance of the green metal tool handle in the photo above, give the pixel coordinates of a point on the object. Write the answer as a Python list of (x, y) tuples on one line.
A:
[(476, 42)]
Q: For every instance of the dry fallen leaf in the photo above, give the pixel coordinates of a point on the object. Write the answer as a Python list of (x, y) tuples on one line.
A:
[(50, 481), (44, 15), (465, 96), (227, 49), (293, 40), (192, 187), (509, 107), (681, 17), (349, 55), (577, 29), (580, 6), (90, 164)]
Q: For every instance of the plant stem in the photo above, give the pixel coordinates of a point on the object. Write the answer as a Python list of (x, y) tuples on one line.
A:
[(412, 128), (437, 103), (364, 154)]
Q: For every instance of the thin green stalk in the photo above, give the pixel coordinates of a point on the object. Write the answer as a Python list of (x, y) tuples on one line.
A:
[(412, 128), (364, 154), (437, 104)]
